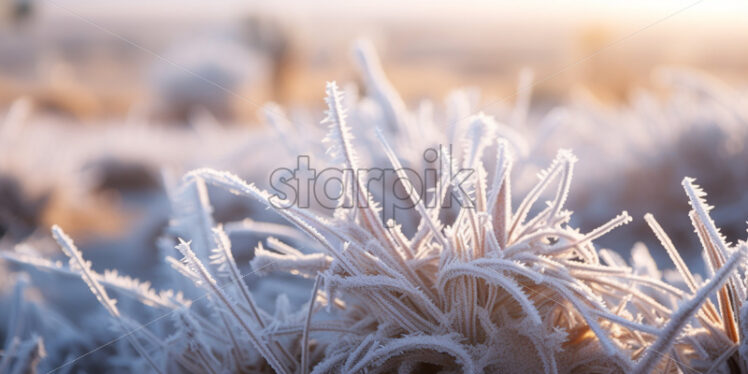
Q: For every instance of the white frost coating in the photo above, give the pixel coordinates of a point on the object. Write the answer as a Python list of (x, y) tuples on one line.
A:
[(490, 288)]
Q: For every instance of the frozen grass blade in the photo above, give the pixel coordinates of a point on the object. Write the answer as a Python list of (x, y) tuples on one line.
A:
[(681, 316)]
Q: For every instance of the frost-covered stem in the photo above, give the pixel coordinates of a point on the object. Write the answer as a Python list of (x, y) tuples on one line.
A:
[(499, 198), (671, 251), (84, 268), (321, 327), (77, 262), (549, 214), (726, 294), (619, 220), (110, 280), (237, 351), (695, 194), (679, 263), (631, 325), (307, 322), (198, 267), (545, 178), (417, 202), (223, 243), (201, 211), (341, 134)]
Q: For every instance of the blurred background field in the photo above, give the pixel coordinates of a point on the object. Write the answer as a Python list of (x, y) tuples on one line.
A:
[(91, 60), (117, 92)]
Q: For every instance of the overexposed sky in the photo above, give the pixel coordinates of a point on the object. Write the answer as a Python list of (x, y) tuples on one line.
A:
[(725, 10)]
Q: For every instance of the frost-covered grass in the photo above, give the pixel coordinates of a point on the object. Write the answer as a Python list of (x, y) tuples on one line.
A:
[(494, 282)]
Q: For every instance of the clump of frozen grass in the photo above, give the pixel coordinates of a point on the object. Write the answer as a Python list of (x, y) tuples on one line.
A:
[(490, 288), (498, 289)]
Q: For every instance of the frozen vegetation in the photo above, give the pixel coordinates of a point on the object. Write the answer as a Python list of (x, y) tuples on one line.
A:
[(490, 275)]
